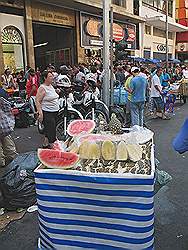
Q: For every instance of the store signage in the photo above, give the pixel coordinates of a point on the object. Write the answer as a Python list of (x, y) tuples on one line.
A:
[(161, 48), (118, 32), (92, 32), (96, 42), (182, 47), (44, 13), (92, 28)]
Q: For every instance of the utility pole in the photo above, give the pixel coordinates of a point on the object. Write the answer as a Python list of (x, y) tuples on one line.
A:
[(166, 33), (111, 57), (106, 52)]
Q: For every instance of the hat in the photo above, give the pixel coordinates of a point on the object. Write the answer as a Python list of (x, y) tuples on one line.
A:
[(133, 69)]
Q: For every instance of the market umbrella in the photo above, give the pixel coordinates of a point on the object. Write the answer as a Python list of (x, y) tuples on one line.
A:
[(174, 61), (153, 61)]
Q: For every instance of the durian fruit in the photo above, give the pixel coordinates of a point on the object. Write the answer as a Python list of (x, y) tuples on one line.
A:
[(93, 151), (134, 152), (83, 150), (115, 125), (108, 150), (103, 126), (121, 153)]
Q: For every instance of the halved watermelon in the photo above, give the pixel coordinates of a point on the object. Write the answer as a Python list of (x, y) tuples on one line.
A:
[(80, 126), (57, 158)]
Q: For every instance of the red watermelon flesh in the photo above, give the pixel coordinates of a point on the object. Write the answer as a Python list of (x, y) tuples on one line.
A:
[(57, 158), (80, 126), (94, 137)]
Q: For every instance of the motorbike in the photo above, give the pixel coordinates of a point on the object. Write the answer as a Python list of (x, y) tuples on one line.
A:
[(66, 114), (21, 112), (89, 104)]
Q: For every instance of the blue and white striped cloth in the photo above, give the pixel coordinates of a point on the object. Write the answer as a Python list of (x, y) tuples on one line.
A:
[(79, 210)]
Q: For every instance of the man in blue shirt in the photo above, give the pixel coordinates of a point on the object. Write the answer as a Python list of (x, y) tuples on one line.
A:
[(165, 78), (137, 89)]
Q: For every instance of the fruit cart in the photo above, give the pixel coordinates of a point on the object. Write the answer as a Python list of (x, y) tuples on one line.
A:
[(179, 89), (183, 90), (90, 207)]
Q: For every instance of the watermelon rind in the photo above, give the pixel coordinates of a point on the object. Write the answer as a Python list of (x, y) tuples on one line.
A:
[(52, 158), (72, 127)]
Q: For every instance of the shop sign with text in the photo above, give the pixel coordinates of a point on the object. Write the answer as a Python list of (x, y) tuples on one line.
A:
[(92, 32)]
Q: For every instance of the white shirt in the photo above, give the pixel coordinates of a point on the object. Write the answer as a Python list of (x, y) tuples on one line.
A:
[(143, 75), (185, 73), (50, 101), (155, 81)]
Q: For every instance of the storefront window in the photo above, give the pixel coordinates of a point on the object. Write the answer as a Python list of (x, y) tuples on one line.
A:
[(12, 48)]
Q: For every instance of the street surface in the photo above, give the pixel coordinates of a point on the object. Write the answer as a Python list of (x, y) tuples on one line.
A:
[(171, 203)]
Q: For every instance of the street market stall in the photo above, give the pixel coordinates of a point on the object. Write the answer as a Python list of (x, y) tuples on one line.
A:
[(103, 201)]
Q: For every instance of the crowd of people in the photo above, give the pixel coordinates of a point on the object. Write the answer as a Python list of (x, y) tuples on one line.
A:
[(142, 82)]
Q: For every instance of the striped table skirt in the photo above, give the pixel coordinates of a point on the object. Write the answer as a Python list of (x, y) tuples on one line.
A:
[(79, 210)]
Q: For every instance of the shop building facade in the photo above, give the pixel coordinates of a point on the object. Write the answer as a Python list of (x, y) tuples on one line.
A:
[(154, 32), (12, 36), (37, 33), (182, 37)]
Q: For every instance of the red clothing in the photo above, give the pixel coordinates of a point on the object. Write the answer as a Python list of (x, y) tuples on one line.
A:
[(30, 82)]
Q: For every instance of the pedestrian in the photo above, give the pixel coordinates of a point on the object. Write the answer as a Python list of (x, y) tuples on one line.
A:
[(165, 78), (31, 89), (127, 87), (7, 146), (3, 93), (7, 79), (120, 75), (47, 107), (156, 95), (137, 89), (185, 72)]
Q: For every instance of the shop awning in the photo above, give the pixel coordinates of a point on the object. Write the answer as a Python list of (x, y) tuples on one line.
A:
[(160, 22)]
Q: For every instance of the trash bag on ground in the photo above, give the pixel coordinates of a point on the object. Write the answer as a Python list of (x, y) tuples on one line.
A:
[(17, 184), (162, 178)]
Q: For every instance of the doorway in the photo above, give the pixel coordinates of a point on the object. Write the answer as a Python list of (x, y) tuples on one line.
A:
[(53, 45)]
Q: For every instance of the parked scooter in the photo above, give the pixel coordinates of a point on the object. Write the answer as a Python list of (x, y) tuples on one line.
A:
[(21, 111), (67, 112)]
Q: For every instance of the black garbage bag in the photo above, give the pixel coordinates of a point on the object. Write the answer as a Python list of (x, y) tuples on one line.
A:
[(17, 184), (162, 179)]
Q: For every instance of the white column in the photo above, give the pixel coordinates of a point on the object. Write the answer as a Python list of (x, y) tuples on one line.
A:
[(141, 38)]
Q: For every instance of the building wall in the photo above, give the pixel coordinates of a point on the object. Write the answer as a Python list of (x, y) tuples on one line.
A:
[(182, 38), (16, 21), (151, 42)]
